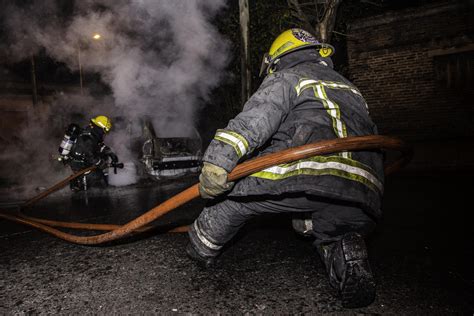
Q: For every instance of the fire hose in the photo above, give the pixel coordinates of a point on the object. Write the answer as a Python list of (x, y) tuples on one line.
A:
[(64, 182), (139, 224)]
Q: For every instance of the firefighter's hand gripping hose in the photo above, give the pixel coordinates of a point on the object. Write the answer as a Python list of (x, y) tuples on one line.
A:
[(372, 142)]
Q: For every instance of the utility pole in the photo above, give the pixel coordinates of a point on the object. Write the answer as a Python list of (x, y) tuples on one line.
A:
[(34, 87), (80, 68), (246, 75)]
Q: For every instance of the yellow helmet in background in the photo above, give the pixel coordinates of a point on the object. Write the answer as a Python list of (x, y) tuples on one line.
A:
[(102, 122), (292, 40)]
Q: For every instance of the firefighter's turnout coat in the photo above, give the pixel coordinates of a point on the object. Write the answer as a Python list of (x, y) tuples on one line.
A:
[(89, 149), (302, 102)]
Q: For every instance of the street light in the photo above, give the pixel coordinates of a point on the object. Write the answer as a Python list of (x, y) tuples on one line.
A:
[(96, 37)]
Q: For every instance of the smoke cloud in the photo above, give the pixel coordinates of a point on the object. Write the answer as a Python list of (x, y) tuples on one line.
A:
[(160, 58)]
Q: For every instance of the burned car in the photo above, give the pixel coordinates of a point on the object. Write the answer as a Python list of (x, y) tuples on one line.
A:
[(169, 157)]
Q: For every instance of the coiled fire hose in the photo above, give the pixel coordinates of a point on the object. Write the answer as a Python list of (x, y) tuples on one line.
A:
[(371, 142)]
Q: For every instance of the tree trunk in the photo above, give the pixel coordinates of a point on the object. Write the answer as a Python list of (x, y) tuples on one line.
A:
[(34, 86), (246, 75), (317, 17), (299, 13), (326, 25)]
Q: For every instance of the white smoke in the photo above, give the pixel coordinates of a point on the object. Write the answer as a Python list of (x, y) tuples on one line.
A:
[(160, 58), (125, 176)]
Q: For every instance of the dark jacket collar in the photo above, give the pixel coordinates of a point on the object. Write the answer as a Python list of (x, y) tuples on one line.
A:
[(302, 56), (95, 132)]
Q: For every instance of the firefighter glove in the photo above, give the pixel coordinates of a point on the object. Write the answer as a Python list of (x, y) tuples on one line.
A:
[(213, 181), (113, 157)]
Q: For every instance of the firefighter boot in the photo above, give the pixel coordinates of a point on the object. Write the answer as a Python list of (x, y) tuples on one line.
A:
[(77, 184), (205, 262), (349, 270)]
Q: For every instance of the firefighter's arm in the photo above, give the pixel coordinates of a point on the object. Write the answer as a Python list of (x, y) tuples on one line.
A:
[(260, 119), (107, 152), (262, 115)]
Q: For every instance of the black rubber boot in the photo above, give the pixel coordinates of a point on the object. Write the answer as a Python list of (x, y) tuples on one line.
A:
[(205, 262), (349, 270), (76, 185)]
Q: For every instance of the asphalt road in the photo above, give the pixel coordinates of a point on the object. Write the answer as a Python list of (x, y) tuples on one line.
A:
[(421, 253)]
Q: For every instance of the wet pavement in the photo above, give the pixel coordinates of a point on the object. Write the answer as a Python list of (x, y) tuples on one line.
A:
[(421, 253)]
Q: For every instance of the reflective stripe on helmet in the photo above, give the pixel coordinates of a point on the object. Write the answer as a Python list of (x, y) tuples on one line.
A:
[(237, 141), (320, 165), (102, 122)]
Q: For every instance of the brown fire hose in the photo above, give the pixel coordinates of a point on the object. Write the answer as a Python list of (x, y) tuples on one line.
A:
[(371, 142), (57, 186)]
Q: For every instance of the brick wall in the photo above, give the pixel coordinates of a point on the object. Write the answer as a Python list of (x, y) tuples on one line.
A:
[(393, 60)]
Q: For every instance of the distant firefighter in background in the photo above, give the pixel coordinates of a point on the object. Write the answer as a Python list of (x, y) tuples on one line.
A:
[(84, 147)]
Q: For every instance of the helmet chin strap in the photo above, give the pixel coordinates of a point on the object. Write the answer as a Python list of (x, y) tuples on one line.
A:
[(273, 66), (268, 68), (263, 65)]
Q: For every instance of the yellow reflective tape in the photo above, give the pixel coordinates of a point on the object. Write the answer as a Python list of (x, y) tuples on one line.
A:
[(238, 136), (305, 83), (319, 165), (319, 172), (228, 142), (331, 107), (237, 141), (334, 111), (332, 158), (282, 48)]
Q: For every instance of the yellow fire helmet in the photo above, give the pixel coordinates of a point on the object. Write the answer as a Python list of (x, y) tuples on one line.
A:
[(102, 122), (292, 40)]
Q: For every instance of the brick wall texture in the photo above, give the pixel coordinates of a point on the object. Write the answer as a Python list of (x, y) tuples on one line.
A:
[(392, 60)]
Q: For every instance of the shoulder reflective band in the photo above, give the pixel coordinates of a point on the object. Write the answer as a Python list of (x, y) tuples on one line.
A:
[(307, 83), (203, 239), (303, 84), (233, 139), (319, 165)]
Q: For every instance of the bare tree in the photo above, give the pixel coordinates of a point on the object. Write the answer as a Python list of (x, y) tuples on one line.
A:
[(246, 74), (316, 16)]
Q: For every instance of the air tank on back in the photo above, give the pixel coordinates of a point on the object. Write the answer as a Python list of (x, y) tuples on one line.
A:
[(70, 137)]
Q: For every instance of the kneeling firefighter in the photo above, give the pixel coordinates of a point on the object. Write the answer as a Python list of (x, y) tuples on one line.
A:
[(302, 100), (82, 148)]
